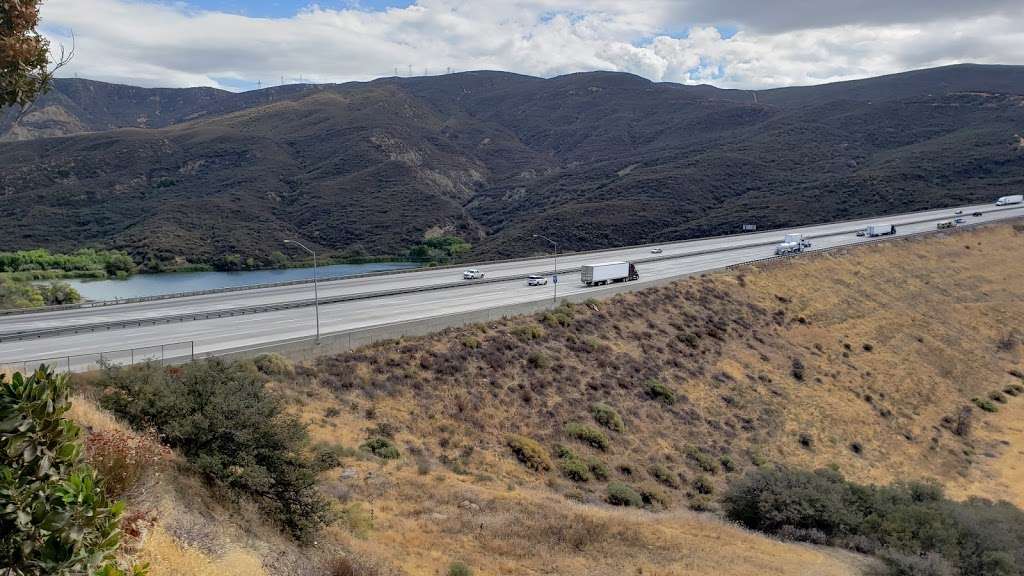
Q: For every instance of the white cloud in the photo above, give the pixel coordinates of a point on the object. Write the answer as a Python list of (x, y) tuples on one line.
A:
[(160, 44)]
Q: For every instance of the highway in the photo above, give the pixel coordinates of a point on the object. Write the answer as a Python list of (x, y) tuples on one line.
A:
[(439, 292)]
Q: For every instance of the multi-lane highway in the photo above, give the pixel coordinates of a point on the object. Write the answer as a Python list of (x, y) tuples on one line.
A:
[(447, 294)]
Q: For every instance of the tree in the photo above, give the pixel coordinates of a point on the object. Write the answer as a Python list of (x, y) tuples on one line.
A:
[(24, 53), (54, 516)]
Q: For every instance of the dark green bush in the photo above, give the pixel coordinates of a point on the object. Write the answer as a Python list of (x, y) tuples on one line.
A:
[(274, 365), (703, 485), (912, 527), (380, 447), (574, 469), (662, 474), (230, 427), (587, 434), (459, 569), (606, 416), (702, 459), (985, 404), (538, 360), (54, 516), (658, 391), (598, 469), (621, 494)]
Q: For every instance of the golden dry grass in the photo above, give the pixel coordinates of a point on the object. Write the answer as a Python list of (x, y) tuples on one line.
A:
[(938, 315)]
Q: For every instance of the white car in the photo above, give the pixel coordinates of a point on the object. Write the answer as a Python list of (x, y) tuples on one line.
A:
[(536, 280), (958, 212), (472, 274), (656, 251)]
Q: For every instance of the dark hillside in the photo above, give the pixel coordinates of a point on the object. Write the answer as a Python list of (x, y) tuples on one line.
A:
[(593, 160)]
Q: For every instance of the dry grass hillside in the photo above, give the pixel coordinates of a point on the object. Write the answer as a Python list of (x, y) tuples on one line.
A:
[(500, 445)]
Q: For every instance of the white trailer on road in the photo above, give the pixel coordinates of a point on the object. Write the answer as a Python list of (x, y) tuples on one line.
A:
[(789, 248), (881, 230), (1007, 200), (797, 238), (594, 274)]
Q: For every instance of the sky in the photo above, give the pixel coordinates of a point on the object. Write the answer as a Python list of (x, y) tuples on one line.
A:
[(750, 44)]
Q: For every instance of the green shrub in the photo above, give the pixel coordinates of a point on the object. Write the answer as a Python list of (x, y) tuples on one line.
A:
[(380, 447), (59, 293), (621, 494), (54, 515), (528, 332), (652, 497), (328, 456), (658, 391), (274, 365), (728, 464), (985, 404), (529, 452), (703, 485), (471, 342), (997, 396), (913, 527), (701, 503), (459, 569), (538, 360), (702, 459), (662, 474), (587, 434), (606, 416), (230, 428), (356, 520), (597, 469), (558, 318), (574, 469)]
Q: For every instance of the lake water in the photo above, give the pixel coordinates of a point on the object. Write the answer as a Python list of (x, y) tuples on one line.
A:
[(173, 282)]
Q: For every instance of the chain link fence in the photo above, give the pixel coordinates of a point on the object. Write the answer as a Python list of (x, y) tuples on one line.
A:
[(174, 352)]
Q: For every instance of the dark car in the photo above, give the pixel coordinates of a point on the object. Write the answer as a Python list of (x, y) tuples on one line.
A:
[(976, 214)]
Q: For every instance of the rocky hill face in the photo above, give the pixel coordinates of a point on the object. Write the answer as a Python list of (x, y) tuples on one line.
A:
[(592, 160)]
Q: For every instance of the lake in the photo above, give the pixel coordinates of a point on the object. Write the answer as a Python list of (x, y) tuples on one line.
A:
[(172, 282)]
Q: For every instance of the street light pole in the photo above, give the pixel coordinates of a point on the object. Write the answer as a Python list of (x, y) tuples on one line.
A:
[(316, 294), (554, 279)]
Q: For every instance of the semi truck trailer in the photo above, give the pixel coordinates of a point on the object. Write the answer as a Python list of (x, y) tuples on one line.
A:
[(1007, 200), (881, 230), (597, 274)]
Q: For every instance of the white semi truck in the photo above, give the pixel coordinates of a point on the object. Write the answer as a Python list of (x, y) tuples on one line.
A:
[(596, 274), (1007, 200), (797, 238), (789, 248), (881, 230)]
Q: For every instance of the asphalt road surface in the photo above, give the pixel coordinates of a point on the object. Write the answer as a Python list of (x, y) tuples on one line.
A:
[(229, 332)]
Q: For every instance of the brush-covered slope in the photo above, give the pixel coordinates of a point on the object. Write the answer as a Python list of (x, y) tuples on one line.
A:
[(503, 446), (592, 160)]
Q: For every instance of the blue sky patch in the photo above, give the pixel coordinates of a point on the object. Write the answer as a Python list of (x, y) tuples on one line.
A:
[(288, 8)]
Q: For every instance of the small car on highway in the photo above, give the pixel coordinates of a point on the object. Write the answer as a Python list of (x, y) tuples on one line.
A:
[(535, 280), (958, 212), (656, 250), (960, 220), (472, 274), (976, 214), (862, 232)]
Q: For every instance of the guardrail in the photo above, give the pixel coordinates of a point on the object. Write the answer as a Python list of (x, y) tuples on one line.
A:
[(292, 304), (174, 352), (103, 303)]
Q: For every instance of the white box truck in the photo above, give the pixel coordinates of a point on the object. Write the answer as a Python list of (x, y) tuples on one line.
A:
[(789, 248), (881, 230), (596, 274), (796, 238), (1007, 200)]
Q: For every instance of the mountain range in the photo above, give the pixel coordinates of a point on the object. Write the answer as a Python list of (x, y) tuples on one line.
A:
[(591, 160)]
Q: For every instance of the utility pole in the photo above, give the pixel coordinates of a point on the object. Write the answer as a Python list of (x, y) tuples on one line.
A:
[(316, 295), (554, 277)]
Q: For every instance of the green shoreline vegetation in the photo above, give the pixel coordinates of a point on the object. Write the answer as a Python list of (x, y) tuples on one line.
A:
[(22, 271)]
